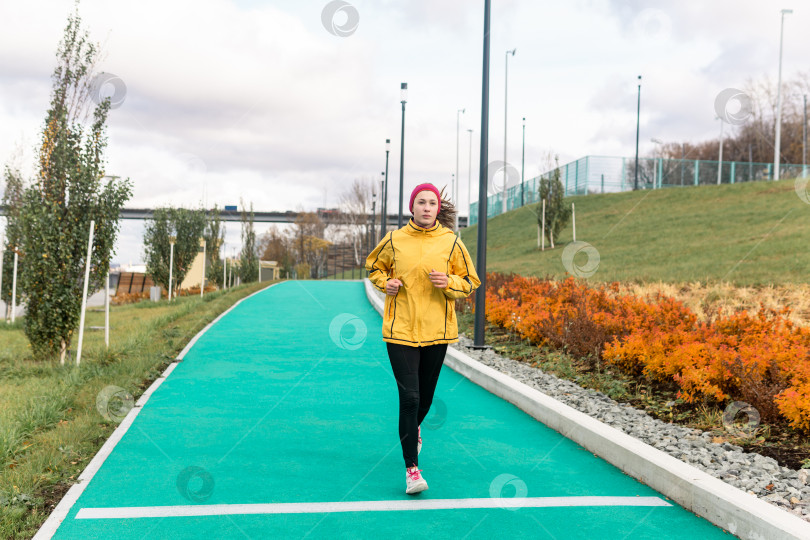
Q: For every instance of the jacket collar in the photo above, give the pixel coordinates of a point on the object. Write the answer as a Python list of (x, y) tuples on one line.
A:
[(413, 228)]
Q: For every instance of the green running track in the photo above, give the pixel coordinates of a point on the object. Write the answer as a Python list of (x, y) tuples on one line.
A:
[(281, 422)]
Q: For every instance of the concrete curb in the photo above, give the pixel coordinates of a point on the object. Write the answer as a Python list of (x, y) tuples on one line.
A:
[(740, 513)]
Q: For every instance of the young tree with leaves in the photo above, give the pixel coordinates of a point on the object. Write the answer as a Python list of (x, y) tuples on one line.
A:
[(278, 246), (249, 260), (12, 199), (70, 191), (214, 239), (187, 227), (308, 244), (557, 212)]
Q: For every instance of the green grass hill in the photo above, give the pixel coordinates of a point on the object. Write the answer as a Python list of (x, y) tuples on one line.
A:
[(748, 234)]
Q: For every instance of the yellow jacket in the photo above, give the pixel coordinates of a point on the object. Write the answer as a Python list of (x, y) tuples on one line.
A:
[(421, 314)]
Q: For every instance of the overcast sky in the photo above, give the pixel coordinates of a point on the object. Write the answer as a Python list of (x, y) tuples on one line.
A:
[(261, 100)]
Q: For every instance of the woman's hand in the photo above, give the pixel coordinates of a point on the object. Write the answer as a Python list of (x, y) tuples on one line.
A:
[(439, 279), (392, 286)]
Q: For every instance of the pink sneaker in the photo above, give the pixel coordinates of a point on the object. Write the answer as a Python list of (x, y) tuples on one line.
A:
[(419, 440), (414, 481)]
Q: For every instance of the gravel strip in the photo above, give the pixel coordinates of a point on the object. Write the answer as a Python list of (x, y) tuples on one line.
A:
[(747, 471)]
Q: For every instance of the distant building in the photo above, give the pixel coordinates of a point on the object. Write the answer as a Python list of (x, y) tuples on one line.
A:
[(194, 275), (269, 270)]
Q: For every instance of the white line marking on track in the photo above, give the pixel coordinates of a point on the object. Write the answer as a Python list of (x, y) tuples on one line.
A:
[(361, 506)]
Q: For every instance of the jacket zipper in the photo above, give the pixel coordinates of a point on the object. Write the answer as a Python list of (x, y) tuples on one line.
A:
[(418, 322)]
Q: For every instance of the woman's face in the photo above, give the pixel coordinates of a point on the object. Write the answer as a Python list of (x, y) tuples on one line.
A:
[(425, 208)]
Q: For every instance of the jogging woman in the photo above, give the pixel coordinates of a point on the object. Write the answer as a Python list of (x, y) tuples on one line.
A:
[(422, 268)]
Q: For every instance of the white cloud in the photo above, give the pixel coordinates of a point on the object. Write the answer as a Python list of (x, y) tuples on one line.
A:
[(229, 99)]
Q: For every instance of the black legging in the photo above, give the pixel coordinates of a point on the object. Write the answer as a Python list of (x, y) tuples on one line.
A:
[(417, 371)]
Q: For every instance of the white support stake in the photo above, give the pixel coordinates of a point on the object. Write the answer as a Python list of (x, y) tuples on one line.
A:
[(202, 282), (14, 287), (574, 218), (543, 235), (107, 311), (2, 256), (84, 294), (171, 266)]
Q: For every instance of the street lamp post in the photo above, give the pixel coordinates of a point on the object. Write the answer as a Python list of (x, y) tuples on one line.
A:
[(638, 121), (469, 183), (522, 162), (481, 251), (459, 112), (373, 221), (505, 100), (403, 99), (233, 262), (656, 180), (750, 163), (453, 181), (382, 206), (720, 155), (804, 140), (777, 144), (385, 191)]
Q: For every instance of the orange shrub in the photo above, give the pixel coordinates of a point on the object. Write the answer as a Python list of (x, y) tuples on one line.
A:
[(762, 359)]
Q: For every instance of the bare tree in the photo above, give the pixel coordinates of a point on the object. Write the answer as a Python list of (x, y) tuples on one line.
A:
[(276, 245), (753, 138), (355, 205)]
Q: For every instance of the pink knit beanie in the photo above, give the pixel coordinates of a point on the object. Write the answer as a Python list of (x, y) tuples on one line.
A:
[(425, 187)]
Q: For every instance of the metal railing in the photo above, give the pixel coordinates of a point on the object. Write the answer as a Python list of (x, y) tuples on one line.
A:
[(607, 174)]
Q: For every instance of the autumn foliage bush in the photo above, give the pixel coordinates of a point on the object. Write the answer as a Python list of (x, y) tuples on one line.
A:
[(762, 359)]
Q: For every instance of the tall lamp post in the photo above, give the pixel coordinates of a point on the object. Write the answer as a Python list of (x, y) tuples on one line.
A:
[(373, 222), (804, 140), (459, 112), (720, 154), (382, 205), (522, 162), (660, 153), (453, 182), (505, 100), (385, 191), (481, 251), (777, 144), (638, 121), (469, 183), (233, 262), (403, 99)]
